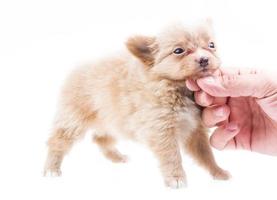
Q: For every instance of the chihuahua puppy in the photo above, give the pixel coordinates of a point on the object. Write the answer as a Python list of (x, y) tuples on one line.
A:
[(142, 95)]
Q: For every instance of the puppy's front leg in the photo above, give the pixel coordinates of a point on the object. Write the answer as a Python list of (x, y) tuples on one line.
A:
[(198, 146), (165, 147)]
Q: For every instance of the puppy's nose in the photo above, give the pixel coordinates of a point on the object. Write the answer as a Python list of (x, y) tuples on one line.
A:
[(204, 61)]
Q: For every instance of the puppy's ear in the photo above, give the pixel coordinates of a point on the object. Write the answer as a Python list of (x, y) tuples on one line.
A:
[(143, 48)]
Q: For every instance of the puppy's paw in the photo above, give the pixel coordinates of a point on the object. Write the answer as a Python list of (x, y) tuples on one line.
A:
[(52, 173), (221, 174), (176, 182), (116, 157), (120, 158)]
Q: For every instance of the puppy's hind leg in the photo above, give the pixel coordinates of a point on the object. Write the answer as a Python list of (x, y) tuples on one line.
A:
[(59, 144), (65, 133), (106, 143)]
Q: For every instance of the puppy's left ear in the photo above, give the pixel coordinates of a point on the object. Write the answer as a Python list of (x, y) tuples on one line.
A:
[(143, 48)]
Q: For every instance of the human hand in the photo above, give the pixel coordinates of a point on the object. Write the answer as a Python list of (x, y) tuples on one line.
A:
[(242, 104)]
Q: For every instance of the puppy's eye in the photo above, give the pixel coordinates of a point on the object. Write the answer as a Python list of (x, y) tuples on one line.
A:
[(211, 45), (179, 51)]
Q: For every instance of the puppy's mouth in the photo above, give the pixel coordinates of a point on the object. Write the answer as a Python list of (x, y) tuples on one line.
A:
[(206, 71)]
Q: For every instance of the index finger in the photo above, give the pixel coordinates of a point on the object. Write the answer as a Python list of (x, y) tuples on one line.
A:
[(204, 99)]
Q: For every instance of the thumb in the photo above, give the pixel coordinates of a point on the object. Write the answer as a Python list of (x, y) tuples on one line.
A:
[(235, 85)]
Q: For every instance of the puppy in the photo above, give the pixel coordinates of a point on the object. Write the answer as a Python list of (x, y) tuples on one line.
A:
[(141, 95)]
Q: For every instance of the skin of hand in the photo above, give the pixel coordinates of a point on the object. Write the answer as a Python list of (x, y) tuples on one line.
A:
[(242, 104)]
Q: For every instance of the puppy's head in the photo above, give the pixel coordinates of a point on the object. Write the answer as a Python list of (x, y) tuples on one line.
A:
[(177, 53)]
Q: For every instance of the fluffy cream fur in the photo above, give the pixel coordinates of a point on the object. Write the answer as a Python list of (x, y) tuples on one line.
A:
[(141, 95)]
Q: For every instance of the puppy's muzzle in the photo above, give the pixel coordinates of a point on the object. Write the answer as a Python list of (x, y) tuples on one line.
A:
[(203, 62)]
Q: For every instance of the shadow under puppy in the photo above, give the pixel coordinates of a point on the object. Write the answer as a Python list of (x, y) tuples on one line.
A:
[(141, 94)]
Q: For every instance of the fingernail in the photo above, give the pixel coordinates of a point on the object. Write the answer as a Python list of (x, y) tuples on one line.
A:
[(209, 79), (232, 126), (219, 112)]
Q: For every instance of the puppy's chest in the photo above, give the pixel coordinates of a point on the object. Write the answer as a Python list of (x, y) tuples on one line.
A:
[(183, 112)]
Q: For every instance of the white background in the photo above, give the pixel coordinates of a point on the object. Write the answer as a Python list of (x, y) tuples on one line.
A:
[(41, 41)]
